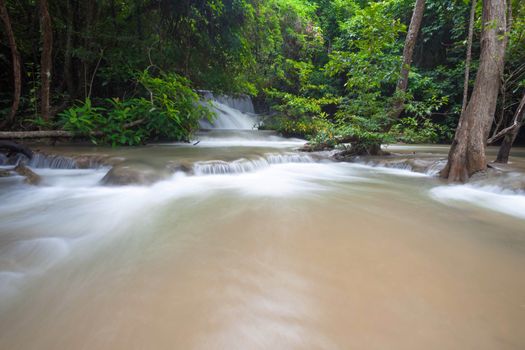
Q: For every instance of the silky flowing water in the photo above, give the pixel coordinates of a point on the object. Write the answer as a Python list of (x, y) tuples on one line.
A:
[(292, 253)]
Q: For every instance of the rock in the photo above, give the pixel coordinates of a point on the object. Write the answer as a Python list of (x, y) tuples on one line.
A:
[(180, 167), (485, 175), (428, 165), (91, 161), (31, 177), (5, 173), (136, 174)]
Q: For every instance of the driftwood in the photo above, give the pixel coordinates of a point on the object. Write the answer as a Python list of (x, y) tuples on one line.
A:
[(13, 147), (35, 134)]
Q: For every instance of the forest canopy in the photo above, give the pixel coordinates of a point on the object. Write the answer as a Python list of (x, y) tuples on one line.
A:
[(326, 70)]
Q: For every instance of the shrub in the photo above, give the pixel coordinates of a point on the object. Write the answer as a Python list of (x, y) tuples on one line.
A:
[(172, 111), (413, 130)]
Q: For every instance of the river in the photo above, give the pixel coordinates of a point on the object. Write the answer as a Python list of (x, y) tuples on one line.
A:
[(268, 249)]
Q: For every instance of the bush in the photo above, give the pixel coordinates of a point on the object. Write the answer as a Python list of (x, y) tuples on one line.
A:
[(412, 130), (304, 127), (364, 136), (172, 111)]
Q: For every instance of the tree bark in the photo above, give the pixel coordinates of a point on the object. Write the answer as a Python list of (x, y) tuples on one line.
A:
[(46, 60), (408, 51), (469, 55), (510, 137), (15, 57), (467, 152), (504, 82), (70, 85)]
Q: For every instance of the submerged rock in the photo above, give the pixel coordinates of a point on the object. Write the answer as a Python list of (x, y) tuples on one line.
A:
[(3, 159), (186, 168), (90, 161), (31, 177), (135, 174), (431, 165), (5, 173), (82, 161)]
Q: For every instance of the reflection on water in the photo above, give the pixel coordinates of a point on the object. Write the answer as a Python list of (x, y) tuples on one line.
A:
[(288, 255)]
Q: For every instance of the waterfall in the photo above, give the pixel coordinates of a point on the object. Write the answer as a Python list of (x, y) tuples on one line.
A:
[(239, 166), (52, 161), (235, 113)]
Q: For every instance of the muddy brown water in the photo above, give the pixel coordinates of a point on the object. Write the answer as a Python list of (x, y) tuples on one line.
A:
[(314, 255)]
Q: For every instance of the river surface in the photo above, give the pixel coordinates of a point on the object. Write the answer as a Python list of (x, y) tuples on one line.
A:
[(268, 249)]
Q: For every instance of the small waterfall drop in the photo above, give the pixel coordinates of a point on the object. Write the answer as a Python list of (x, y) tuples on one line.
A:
[(231, 113), (243, 165), (52, 162)]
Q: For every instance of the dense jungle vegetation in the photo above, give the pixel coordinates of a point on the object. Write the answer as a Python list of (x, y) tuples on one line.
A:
[(127, 72)]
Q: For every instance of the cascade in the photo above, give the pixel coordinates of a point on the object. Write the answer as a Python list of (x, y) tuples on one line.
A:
[(231, 113), (239, 166)]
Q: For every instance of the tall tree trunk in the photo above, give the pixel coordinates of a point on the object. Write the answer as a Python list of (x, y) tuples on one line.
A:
[(15, 57), (510, 137), (408, 51), (46, 60), (504, 82), (469, 55), (467, 152), (70, 84)]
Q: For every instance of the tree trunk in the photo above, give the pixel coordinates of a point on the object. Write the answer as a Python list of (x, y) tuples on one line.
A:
[(12, 147), (408, 51), (15, 57), (502, 120), (467, 152), (46, 60), (469, 55), (510, 137), (70, 85)]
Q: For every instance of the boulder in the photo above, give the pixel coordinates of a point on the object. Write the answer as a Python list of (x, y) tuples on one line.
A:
[(5, 173), (90, 161), (186, 168), (31, 177), (136, 174)]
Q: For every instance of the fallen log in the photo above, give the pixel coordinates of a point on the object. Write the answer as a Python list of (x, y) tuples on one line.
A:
[(35, 134), (42, 134), (13, 147)]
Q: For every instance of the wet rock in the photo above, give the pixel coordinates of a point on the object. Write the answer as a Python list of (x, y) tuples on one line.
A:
[(415, 162), (91, 161), (186, 168), (136, 174), (31, 177), (486, 175), (5, 173), (3, 159)]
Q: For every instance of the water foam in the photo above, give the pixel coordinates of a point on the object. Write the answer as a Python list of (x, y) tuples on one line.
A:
[(227, 117), (52, 162), (215, 167), (488, 197)]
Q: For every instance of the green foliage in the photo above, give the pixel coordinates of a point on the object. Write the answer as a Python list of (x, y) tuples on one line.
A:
[(299, 116), (362, 137), (300, 127), (175, 107), (173, 111), (326, 68), (412, 130)]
